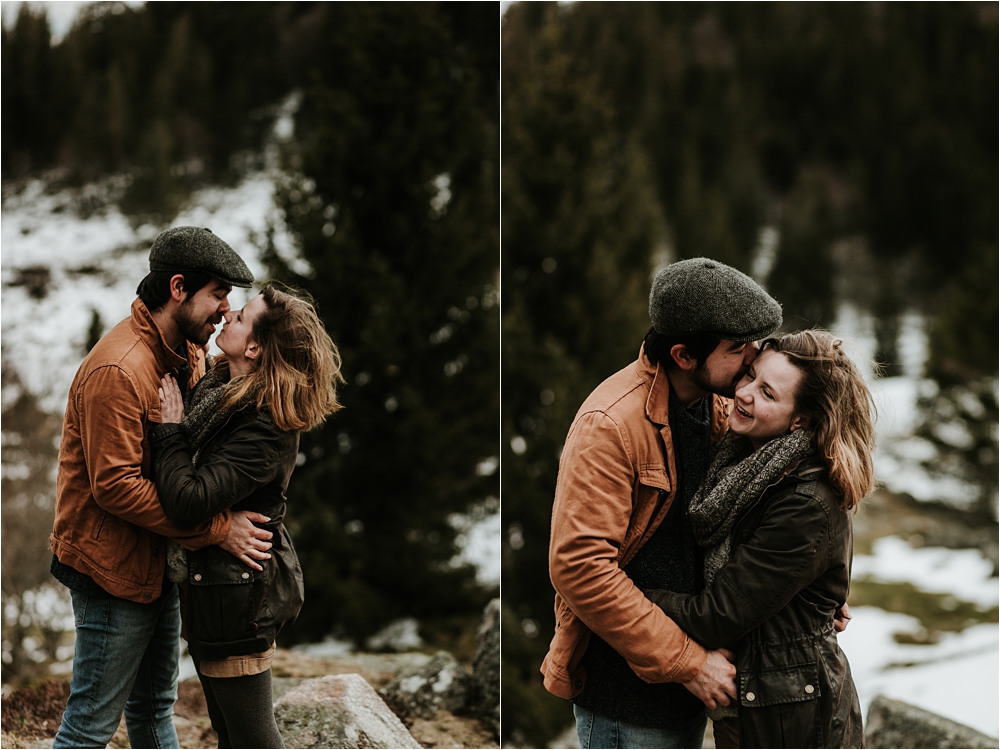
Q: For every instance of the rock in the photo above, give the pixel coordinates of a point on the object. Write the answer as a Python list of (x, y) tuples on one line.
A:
[(398, 635), (486, 667), (896, 724), (341, 711), (440, 685)]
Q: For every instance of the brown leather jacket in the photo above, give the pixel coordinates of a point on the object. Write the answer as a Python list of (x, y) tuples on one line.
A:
[(616, 483), (109, 523)]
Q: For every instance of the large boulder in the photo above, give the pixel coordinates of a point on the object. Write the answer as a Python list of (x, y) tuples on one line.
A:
[(339, 711), (896, 724), (486, 667), (420, 692)]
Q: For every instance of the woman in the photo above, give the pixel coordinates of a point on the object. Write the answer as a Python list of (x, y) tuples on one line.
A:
[(236, 448), (773, 515)]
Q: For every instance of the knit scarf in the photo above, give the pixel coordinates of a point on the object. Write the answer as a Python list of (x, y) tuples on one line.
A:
[(202, 415), (735, 479)]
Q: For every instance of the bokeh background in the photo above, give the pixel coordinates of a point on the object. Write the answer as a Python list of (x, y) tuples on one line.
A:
[(843, 154), (350, 149)]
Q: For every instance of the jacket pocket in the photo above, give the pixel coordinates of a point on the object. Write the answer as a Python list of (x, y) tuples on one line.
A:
[(786, 684), (100, 525), (222, 599), (654, 475), (779, 707), (649, 495)]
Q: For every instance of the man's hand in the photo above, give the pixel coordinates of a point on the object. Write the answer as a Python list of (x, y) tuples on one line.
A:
[(246, 541), (715, 685), (841, 619)]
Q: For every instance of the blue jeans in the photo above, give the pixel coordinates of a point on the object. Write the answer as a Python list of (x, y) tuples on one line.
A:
[(125, 660), (596, 731)]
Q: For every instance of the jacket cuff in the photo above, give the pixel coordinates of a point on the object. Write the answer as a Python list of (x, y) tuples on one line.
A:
[(693, 656), (161, 432), (690, 663), (220, 526)]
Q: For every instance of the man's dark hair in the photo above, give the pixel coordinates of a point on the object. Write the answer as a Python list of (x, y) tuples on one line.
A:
[(658, 346), (154, 289)]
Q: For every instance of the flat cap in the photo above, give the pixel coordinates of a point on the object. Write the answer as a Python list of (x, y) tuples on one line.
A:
[(199, 250), (701, 295)]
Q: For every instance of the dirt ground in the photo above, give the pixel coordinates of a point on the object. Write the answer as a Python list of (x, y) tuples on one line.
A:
[(31, 715)]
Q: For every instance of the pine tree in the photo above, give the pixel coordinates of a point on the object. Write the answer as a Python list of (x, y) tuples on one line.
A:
[(395, 208), (580, 229)]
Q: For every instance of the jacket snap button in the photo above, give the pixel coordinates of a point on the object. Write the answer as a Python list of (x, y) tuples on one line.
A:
[(751, 697), (245, 576), (810, 689), (578, 683), (147, 596), (197, 576)]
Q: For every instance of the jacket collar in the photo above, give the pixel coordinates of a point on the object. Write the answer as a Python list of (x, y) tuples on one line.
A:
[(658, 401), (809, 467), (145, 328)]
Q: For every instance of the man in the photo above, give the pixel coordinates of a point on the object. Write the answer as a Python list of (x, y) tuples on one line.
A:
[(635, 454), (108, 540)]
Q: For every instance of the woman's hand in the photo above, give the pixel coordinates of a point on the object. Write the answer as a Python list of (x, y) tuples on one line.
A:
[(842, 618), (171, 402)]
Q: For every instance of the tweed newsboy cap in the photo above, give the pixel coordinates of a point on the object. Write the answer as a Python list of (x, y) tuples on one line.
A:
[(199, 250), (701, 295)]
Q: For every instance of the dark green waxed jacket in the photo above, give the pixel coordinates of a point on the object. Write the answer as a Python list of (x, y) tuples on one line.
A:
[(774, 604), (228, 608)]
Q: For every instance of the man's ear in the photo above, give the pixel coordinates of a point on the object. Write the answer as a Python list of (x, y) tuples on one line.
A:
[(177, 293), (252, 351), (679, 354)]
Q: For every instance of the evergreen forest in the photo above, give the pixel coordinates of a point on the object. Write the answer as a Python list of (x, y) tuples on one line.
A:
[(838, 152)]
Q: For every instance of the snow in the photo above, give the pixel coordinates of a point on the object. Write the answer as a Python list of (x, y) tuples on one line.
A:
[(956, 677), (49, 334), (898, 453), (329, 647), (963, 573), (61, 14), (479, 540)]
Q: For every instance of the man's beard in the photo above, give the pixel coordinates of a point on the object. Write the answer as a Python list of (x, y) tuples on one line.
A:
[(703, 381), (193, 330)]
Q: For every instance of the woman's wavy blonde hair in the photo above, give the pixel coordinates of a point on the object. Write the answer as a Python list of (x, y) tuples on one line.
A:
[(833, 394), (296, 376)]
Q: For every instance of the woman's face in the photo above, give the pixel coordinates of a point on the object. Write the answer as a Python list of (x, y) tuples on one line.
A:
[(235, 337), (765, 400)]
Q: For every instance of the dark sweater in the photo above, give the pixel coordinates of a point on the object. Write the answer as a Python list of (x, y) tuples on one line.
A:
[(671, 559)]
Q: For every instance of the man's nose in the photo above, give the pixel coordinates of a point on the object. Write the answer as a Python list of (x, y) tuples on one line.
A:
[(224, 306), (751, 352)]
